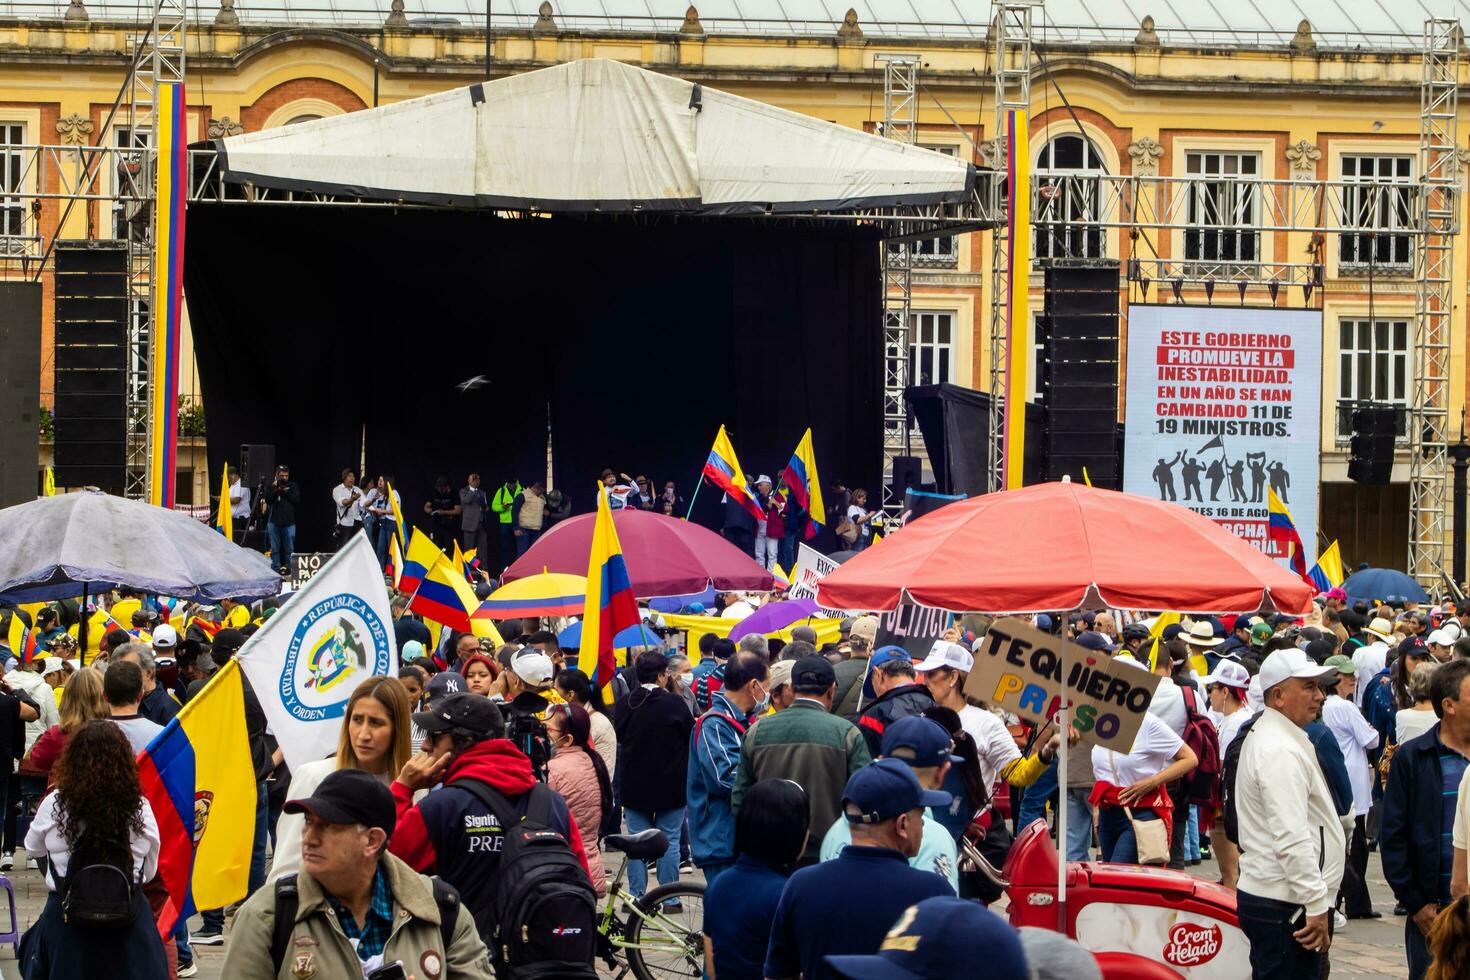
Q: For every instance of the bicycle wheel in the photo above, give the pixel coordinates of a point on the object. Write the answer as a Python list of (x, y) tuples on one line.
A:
[(669, 942)]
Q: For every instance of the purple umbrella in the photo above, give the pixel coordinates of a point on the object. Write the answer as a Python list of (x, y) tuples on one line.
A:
[(774, 616)]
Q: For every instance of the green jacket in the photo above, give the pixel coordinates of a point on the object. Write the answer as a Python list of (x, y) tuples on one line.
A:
[(320, 950), (850, 675), (502, 501), (810, 746)]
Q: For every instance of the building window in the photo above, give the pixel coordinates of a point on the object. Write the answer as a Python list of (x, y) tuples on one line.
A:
[(1224, 206), (1373, 366), (308, 117), (941, 252), (126, 180), (1381, 205), (12, 167), (1066, 205), (931, 348)]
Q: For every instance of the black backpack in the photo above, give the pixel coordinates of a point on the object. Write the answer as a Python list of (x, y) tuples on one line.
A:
[(543, 909), (98, 889), (1227, 782), (288, 901)]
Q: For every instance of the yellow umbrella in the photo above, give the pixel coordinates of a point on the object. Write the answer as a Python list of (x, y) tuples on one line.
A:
[(547, 594)]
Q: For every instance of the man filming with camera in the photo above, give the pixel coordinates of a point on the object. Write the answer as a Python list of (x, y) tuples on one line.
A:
[(279, 504), (459, 831)]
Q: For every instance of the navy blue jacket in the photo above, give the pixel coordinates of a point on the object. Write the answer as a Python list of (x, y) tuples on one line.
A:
[(1409, 840), (1334, 766)]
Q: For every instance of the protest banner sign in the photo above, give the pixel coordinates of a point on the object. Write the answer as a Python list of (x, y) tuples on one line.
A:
[(1020, 669), (333, 632), (915, 628), (810, 568)]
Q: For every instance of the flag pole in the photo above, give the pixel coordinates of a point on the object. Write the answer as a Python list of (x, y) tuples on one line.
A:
[(694, 496)]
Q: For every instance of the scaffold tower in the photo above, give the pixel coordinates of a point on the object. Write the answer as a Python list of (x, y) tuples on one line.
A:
[(900, 122)]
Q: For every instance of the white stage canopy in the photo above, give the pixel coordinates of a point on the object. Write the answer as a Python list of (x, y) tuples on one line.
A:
[(596, 135)]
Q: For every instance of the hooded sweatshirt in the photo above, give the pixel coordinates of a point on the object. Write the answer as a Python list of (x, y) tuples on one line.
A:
[(452, 834), (653, 728)]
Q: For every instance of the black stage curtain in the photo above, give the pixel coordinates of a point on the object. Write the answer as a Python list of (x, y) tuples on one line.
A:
[(317, 326)]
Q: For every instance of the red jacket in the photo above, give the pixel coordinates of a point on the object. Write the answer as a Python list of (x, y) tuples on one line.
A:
[(497, 762)]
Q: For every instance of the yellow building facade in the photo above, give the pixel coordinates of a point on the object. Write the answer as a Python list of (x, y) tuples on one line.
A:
[(1302, 110)]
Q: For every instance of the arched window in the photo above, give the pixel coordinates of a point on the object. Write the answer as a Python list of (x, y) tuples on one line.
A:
[(1066, 204), (308, 117)]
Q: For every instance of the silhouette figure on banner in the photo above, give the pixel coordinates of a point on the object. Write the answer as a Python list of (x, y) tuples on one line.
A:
[(1280, 480), (1192, 469), (1216, 476), (1164, 477), (1257, 463)]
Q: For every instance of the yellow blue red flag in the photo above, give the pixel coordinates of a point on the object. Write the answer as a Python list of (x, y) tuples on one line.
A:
[(800, 477), (422, 555), (1281, 528), (722, 469), (197, 776), (224, 520), (610, 606), (1327, 573)]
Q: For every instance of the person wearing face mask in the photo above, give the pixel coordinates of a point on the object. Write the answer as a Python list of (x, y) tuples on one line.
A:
[(714, 759), (578, 773), (375, 738)]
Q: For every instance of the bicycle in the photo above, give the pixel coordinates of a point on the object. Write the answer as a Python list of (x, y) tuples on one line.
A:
[(645, 936)]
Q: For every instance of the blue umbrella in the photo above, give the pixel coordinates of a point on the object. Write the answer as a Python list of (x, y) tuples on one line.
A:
[(673, 603), (633, 636), (1384, 583)]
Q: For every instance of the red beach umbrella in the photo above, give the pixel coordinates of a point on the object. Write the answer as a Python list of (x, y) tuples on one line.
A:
[(665, 556), (1058, 546)]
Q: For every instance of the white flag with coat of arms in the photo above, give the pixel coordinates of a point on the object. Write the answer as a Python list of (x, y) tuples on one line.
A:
[(304, 663)]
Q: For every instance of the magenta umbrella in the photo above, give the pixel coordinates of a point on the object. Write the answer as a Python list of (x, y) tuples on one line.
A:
[(774, 616), (665, 556)]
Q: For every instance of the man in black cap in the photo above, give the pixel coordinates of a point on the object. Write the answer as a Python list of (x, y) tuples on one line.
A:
[(846, 906), (355, 906), (455, 831), (805, 743)]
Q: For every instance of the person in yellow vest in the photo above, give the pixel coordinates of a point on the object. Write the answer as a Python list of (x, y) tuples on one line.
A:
[(502, 504), (528, 516), (235, 615)]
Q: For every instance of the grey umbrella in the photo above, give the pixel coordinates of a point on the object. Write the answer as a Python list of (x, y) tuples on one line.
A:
[(89, 542)]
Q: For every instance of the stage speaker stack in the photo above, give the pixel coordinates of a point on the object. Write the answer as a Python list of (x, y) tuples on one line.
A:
[(20, 390), (908, 474), (1375, 430), (1078, 337), (91, 307), (257, 465)]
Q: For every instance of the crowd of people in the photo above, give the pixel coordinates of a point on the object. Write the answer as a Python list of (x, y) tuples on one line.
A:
[(832, 796)]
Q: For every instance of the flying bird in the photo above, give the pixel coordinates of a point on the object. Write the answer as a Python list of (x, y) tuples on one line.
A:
[(478, 381)]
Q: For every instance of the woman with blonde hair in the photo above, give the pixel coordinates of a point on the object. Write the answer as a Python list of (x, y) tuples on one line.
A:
[(375, 738), (84, 701)]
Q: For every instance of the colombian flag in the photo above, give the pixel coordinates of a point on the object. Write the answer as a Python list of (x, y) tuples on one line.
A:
[(399, 528), (445, 597), (800, 477), (1327, 573), (395, 561), (610, 606), (22, 641), (422, 555), (723, 470), (225, 521), (198, 777), (1280, 528)]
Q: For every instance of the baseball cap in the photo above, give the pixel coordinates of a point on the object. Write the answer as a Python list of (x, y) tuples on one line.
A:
[(1340, 663), (227, 641), (781, 673), (941, 938), (411, 651), (1094, 641), (165, 637), (1320, 650), (50, 665), (814, 670), (885, 789), (472, 712), (1337, 592), (1261, 632), (533, 667), (921, 742), (1045, 623), (846, 623), (350, 796), (1443, 638), (1285, 664), (881, 656), (864, 628), (1171, 631), (946, 654), (441, 686), (1229, 673), (1413, 646)]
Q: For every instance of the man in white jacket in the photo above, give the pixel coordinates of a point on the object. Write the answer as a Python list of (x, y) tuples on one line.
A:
[(1291, 841)]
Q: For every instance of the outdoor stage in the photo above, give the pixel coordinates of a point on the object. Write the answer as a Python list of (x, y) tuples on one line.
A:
[(631, 261)]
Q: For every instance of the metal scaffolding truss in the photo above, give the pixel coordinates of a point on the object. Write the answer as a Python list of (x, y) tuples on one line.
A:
[(1011, 28), (900, 104), (1436, 211), (159, 59)]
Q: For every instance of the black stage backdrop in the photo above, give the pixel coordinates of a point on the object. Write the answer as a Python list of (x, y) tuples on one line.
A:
[(313, 325)]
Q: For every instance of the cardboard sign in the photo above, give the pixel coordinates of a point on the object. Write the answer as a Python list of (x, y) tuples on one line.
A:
[(915, 628), (811, 567), (1023, 670)]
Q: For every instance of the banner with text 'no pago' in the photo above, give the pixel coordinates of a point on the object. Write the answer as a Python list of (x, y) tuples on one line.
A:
[(303, 664)]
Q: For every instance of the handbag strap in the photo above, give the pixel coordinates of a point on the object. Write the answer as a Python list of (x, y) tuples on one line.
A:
[(1127, 810)]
